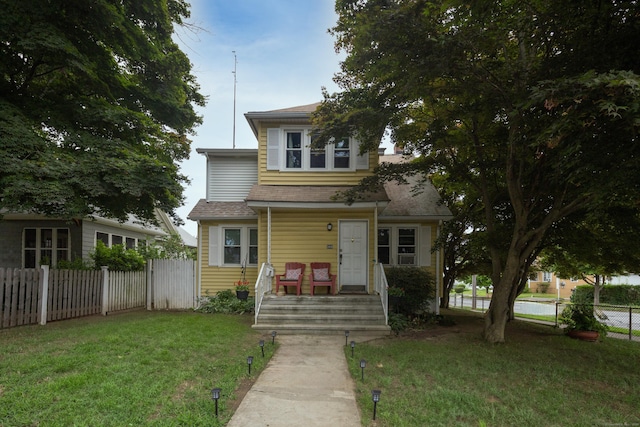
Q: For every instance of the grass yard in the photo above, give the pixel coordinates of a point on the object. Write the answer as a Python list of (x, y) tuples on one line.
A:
[(136, 368), (448, 376)]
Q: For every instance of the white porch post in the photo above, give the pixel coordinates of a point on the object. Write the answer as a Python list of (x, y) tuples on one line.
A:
[(269, 235)]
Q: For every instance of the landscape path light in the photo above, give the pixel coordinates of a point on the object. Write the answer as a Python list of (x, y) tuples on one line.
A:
[(375, 396), (215, 394), (273, 337), (261, 344), (250, 362), (353, 346), (363, 363), (346, 335)]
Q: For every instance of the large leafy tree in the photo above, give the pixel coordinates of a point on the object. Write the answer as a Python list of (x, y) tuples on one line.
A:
[(96, 103), (531, 107)]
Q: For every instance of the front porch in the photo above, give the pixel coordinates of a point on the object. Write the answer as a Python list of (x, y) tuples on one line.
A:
[(322, 314)]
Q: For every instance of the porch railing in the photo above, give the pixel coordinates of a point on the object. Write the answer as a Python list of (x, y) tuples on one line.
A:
[(263, 286), (380, 286)]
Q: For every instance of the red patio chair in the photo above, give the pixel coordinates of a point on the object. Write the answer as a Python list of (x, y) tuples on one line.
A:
[(321, 276), (293, 275)]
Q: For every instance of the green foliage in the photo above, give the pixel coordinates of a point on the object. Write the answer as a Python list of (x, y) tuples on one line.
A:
[(96, 106), (581, 317), (398, 322), (527, 121), (418, 285), (117, 258), (609, 294), (543, 287), (170, 247), (459, 289), (225, 302)]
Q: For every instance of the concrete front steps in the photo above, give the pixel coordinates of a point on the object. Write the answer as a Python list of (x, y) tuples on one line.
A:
[(322, 314)]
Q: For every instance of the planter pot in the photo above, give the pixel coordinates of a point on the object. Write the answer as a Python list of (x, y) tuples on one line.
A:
[(590, 336), (242, 295)]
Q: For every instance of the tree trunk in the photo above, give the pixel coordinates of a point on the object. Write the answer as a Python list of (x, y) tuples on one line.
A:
[(596, 290), (495, 320)]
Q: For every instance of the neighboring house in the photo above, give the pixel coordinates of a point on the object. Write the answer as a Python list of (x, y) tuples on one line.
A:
[(275, 204), (31, 240), (557, 286)]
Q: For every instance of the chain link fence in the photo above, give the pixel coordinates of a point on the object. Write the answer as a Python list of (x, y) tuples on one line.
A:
[(623, 321)]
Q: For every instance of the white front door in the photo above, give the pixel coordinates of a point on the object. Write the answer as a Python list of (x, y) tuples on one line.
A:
[(353, 253)]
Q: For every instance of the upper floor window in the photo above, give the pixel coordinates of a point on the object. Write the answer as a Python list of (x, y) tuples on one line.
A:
[(45, 246), (293, 148), (290, 149)]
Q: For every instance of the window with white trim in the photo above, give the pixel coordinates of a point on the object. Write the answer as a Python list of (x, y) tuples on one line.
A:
[(45, 246), (290, 149), (404, 245), (233, 245), (110, 239), (546, 276)]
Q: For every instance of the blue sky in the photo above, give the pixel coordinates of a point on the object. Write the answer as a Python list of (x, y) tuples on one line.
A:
[(284, 57)]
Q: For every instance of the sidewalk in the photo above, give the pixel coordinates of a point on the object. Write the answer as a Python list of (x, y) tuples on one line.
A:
[(306, 383)]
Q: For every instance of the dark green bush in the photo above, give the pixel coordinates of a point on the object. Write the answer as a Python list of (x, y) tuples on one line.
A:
[(225, 302), (117, 258), (418, 285), (609, 294)]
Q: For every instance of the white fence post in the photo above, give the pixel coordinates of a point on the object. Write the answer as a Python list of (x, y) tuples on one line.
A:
[(105, 290), (44, 294), (149, 284)]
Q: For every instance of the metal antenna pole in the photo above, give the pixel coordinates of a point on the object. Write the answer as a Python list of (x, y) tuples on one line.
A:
[(235, 65)]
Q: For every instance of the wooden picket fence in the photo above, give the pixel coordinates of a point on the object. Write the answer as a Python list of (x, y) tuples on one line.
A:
[(31, 296)]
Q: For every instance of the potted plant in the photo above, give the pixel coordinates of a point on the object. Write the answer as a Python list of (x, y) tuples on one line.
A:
[(582, 323), (242, 285)]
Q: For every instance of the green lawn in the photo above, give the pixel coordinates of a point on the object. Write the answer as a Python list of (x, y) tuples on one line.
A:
[(137, 368), (448, 376)]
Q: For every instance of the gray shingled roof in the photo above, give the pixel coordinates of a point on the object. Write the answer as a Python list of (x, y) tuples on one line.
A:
[(220, 210), (304, 194)]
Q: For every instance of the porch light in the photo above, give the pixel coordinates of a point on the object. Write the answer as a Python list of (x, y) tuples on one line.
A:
[(261, 344), (249, 363), (215, 394), (375, 396), (329, 227), (363, 364), (273, 337), (346, 335), (353, 346)]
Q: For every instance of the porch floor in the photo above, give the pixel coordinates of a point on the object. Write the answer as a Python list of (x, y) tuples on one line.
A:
[(322, 314)]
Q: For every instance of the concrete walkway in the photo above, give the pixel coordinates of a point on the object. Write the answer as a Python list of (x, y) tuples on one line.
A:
[(306, 383)]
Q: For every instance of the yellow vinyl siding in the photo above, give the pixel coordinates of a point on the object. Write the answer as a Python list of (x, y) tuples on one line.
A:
[(216, 279), (302, 236), (274, 177)]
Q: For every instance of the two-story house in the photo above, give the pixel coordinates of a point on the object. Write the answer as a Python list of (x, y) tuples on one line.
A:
[(275, 204)]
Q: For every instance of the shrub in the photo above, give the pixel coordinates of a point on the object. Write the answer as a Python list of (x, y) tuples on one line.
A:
[(117, 258), (398, 322), (543, 287), (458, 289), (418, 285), (225, 302), (609, 294)]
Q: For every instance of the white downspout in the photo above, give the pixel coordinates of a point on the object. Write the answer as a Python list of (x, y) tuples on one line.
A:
[(199, 284)]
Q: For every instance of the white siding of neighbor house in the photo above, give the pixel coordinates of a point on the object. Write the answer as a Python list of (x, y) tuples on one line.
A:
[(229, 179), (90, 228)]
